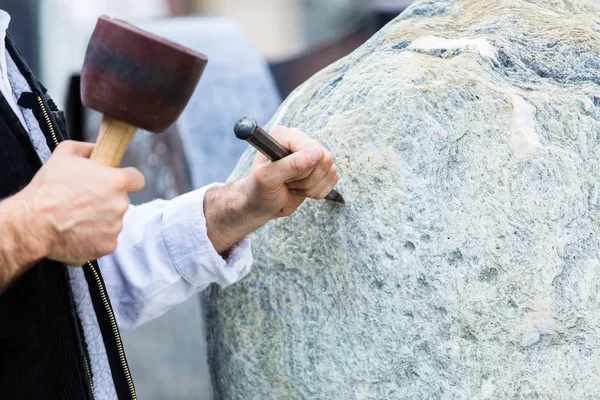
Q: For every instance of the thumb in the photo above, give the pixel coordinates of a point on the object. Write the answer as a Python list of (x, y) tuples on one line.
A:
[(134, 180), (297, 165), (74, 148)]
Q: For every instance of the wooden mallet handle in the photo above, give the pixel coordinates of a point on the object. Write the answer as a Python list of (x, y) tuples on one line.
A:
[(113, 139)]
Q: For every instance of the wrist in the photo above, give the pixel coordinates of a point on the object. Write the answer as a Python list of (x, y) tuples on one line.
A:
[(230, 216), (18, 249), (27, 225), (254, 209)]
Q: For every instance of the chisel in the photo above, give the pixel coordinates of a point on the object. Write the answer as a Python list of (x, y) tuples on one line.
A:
[(247, 129)]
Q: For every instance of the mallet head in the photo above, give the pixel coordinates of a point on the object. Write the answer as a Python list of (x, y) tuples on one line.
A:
[(138, 78)]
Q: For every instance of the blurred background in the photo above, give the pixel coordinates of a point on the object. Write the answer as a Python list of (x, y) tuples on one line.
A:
[(296, 37), (258, 51)]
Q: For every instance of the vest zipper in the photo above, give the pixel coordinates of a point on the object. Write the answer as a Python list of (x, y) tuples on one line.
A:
[(48, 121), (111, 315), (113, 323), (87, 370)]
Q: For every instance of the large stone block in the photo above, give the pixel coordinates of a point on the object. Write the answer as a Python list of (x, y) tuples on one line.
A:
[(465, 264)]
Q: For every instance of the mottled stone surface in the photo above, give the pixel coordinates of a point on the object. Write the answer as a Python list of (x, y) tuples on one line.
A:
[(466, 262)]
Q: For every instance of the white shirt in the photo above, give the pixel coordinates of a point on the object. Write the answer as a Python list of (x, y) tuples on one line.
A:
[(163, 255), (5, 87)]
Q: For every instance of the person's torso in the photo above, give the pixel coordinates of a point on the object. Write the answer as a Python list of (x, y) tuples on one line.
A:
[(43, 354)]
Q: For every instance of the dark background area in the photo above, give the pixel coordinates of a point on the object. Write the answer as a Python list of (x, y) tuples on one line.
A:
[(24, 28)]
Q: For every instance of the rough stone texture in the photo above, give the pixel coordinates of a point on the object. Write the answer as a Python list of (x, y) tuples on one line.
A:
[(466, 262)]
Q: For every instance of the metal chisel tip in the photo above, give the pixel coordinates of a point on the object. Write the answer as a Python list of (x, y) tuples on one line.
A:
[(335, 196)]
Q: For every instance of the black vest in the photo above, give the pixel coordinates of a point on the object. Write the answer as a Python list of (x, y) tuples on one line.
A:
[(43, 353)]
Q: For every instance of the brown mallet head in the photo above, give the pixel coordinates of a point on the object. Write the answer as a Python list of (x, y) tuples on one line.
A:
[(136, 77), (137, 80)]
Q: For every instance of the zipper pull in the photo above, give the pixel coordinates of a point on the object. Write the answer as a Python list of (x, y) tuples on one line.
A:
[(28, 100)]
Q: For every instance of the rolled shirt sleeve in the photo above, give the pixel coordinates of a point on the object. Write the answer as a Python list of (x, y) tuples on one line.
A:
[(164, 256)]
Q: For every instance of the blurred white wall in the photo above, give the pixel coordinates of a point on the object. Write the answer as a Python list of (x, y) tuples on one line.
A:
[(65, 29), (285, 28), (275, 26)]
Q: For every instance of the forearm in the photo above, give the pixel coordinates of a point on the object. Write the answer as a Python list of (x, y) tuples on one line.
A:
[(164, 257), (228, 219), (19, 248)]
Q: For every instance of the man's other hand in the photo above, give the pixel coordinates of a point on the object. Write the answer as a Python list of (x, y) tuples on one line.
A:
[(78, 205), (277, 189), (270, 190)]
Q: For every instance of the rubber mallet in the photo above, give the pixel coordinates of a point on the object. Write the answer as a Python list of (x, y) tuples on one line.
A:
[(137, 80)]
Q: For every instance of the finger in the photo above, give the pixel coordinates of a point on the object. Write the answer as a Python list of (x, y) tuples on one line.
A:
[(298, 193), (322, 189), (260, 159), (316, 175), (292, 205), (295, 140), (74, 148), (133, 180), (292, 138), (294, 167)]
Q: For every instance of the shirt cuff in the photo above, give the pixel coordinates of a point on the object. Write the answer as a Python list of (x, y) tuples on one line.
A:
[(195, 256)]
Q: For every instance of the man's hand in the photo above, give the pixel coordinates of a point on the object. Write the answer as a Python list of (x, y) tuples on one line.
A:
[(72, 211), (271, 189), (277, 189), (79, 204)]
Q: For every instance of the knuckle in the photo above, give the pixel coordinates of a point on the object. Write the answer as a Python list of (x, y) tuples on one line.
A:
[(261, 176), (109, 246), (296, 132), (333, 171), (133, 179), (312, 193), (299, 192), (119, 206), (64, 146), (328, 159), (118, 228), (278, 131), (123, 205), (113, 246), (302, 185), (118, 180), (259, 159), (295, 165), (115, 209)]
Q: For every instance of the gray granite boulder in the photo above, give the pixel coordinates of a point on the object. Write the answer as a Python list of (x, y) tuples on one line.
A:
[(466, 263)]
